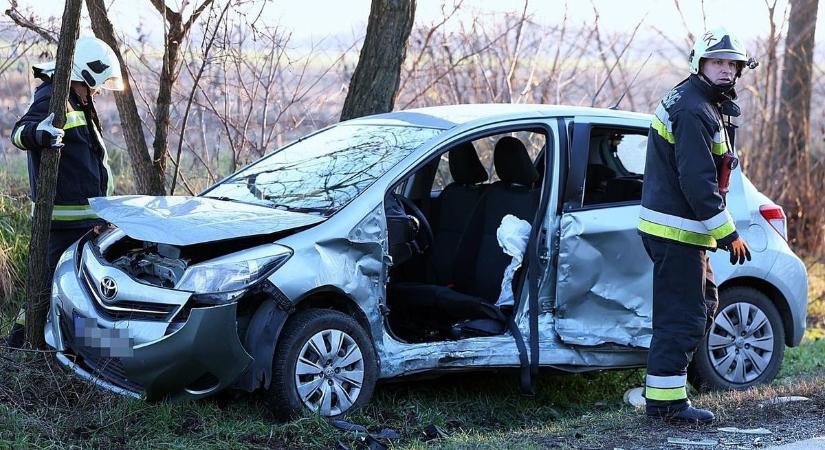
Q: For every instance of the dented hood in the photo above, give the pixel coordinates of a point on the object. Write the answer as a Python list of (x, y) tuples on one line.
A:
[(183, 220)]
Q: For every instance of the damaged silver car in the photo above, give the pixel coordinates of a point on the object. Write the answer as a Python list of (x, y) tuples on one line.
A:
[(448, 238)]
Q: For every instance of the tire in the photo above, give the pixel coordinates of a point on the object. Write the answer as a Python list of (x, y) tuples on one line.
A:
[(329, 392), (726, 362)]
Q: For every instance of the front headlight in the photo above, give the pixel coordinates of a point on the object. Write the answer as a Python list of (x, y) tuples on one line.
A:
[(233, 272)]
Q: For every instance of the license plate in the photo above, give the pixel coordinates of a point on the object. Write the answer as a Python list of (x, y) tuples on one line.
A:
[(103, 342)]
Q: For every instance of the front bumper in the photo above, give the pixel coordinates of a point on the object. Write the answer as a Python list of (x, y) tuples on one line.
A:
[(162, 361)]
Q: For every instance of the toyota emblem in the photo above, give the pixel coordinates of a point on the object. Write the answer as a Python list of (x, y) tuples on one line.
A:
[(108, 288)]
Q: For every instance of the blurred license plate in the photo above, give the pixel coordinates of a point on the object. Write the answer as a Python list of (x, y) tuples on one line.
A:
[(104, 342)]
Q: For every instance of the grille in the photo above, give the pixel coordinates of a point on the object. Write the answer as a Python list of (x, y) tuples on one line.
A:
[(125, 310)]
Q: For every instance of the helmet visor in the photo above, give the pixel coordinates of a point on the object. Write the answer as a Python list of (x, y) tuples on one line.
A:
[(725, 54)]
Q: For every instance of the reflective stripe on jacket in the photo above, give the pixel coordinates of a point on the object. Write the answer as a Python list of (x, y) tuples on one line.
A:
[(83, 171), (680, 194)]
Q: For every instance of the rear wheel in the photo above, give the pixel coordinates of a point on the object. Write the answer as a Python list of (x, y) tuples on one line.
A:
[(744, 347), (324, 363)]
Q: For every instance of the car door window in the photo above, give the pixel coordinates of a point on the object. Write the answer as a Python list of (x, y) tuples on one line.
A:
[(615, 166)]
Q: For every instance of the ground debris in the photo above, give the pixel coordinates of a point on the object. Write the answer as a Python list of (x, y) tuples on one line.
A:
[(387, 433), (781, 400), (348, 426), (372, 441), (745, 430), (433, 432), (635, 397), (700, 443)]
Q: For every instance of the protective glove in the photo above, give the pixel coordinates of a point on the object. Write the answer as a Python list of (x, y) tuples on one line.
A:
[(738, 251), (47, 135)]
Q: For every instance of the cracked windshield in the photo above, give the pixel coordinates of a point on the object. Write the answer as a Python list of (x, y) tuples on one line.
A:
[(322, 173)]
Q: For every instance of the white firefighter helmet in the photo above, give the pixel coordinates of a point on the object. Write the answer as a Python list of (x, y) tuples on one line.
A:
[(719, 43), (95, 64)]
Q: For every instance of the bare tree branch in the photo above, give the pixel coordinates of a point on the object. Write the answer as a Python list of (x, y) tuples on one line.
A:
[(22, 21)]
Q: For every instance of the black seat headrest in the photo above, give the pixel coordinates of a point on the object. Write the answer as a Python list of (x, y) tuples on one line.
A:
[(465, 167), (513, 163)]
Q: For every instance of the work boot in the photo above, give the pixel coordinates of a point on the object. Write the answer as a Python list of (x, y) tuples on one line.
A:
[(688, 415), (16, 337)]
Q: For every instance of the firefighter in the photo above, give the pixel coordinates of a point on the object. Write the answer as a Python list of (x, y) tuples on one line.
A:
[(683, 214), (83, 172)]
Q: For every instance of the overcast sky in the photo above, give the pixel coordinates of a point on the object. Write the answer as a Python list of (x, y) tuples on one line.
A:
[(312, 20)]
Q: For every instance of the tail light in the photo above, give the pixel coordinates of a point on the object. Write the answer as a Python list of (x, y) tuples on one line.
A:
[(776, 217)]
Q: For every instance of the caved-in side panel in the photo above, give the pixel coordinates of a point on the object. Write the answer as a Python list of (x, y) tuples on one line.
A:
[(604, 292), (354, 265)]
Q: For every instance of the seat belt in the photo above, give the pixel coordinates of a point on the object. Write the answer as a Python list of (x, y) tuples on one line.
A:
[(530, 369)]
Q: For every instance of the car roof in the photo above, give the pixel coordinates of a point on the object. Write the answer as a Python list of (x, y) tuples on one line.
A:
[(445, 117)]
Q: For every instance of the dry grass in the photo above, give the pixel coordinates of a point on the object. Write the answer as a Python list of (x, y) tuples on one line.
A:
[(14, 246)]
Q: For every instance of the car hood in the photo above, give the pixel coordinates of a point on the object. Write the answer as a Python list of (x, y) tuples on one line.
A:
[(180, 220)]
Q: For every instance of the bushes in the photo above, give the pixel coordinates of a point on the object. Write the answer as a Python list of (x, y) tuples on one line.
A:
[(15, 231)]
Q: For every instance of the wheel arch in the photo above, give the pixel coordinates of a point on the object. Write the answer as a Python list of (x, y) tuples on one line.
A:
[(774, 294), (331, 297), (273, 313)]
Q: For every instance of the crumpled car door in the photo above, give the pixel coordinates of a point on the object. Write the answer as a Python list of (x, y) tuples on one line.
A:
[(604, 276), (604, 280)]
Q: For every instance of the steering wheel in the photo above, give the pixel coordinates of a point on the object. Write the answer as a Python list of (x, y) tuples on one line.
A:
[(424, 236)]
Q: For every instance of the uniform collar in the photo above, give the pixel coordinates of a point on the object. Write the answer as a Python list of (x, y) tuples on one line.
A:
[(710, 92)]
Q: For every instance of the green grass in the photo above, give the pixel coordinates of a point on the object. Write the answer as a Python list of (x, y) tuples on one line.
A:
[(475, 410), (807, 359)]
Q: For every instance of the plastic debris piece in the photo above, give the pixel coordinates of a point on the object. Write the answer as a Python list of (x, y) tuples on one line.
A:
[(683, 441), (374, 444), (781, 400), (635, 397), (387, 433), (745, 430), (434, 432), (348, 426)]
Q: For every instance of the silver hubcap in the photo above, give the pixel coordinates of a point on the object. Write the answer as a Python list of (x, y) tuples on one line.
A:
[(329, 372), (740, 343)]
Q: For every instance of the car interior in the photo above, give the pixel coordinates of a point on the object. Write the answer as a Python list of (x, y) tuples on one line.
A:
[(442, 220), (614, 167)]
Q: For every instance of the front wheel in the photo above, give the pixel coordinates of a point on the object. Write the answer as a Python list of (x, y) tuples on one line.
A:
[(745, 344), (324, 363)]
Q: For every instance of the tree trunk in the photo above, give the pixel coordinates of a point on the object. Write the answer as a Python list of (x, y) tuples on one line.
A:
[(176, 31), (795, 97), (148, 180), (799, 196), (168, 75), (374, 83), (38, 285)]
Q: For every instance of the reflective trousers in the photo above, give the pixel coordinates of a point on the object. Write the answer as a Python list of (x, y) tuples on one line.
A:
[(684, 303)]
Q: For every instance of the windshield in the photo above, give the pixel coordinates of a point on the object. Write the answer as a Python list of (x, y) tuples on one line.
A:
[(323, 172)]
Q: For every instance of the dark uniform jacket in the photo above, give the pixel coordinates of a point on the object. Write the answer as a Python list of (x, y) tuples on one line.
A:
[(83, 172), (680, 195)]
